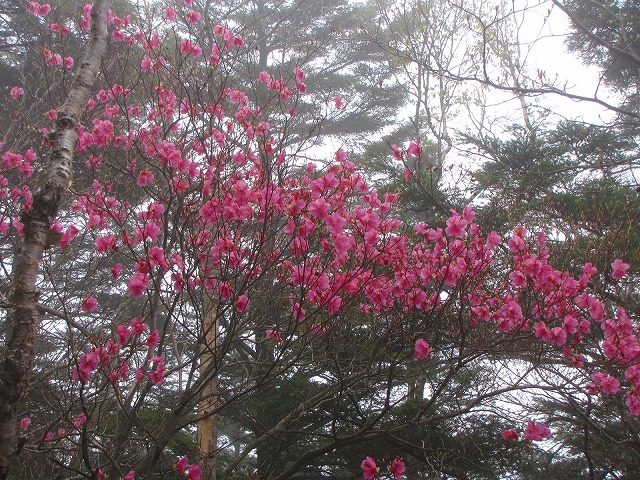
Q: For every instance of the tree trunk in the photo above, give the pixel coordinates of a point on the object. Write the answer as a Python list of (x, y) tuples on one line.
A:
[(207, 426), (19, 351)]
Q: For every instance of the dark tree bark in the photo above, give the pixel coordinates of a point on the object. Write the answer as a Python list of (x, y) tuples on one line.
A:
[(19, 352)]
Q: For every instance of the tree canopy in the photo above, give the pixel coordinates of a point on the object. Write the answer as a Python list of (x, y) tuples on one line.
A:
[(235, 244)]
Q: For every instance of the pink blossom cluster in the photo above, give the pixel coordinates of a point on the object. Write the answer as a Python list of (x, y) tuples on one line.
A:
[(16, 92), (535, 432), (371, 471), (192, 472), (107, 357), (38, 9), (55, 59)]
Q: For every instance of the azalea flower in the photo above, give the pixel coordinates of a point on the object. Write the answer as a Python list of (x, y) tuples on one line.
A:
[(619, 269), (422, 349), (397, 467), (537, 431), (369, 468), (510, 435)]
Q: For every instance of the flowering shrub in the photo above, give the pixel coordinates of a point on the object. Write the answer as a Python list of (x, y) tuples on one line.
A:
[(197, 249)]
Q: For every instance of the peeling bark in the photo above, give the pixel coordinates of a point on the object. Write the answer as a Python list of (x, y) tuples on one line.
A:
[(19, 352)]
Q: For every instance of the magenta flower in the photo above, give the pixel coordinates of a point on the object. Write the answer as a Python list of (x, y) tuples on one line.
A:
[(16, 92), (273, 335), (157, 376), (511, 435), (138, 326), (397, 467), (90, 304), (124, 333), (153, 339), (24, 423), (422, 350), (456, 225), (68, 235), (369, 468), (242, 303), (145, 176), (40, 10), (193, 16), (79, 421), (194, 472), (619, 269), (414, 150), (138, 283), (115, 270), (608, 384), (537, 431), (170, 14), (182, 464)]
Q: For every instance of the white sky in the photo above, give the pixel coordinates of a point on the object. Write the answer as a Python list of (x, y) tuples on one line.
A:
[(548, 53)]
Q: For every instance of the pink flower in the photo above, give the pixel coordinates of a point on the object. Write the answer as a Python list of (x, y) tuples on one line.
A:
[(138, 326), (68, 235), (157, 376), (397, 467), (264, 77), (619, 269), (90, 304), (557, 336), (157, 257), (153, 339), (456, 225), (536, 431), (338, 101), (341, 155), (68, 62), (242, 303), (115, 270), (170, 14), (144, 178), (36, 9), (510, 435), (79, 421), (193, 16), (24, 423), (298, 312), (422, 349), (182, 464), (193, 49), (138, 283), (273, 335), (194, 472), (397, 154), (319, 208), (369, 468), (16, 92), (414, 150), (130, 476), (407, 173), (608, 384), (124, 333)]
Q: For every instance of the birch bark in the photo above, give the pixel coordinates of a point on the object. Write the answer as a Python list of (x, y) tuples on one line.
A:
[(18, 354)]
